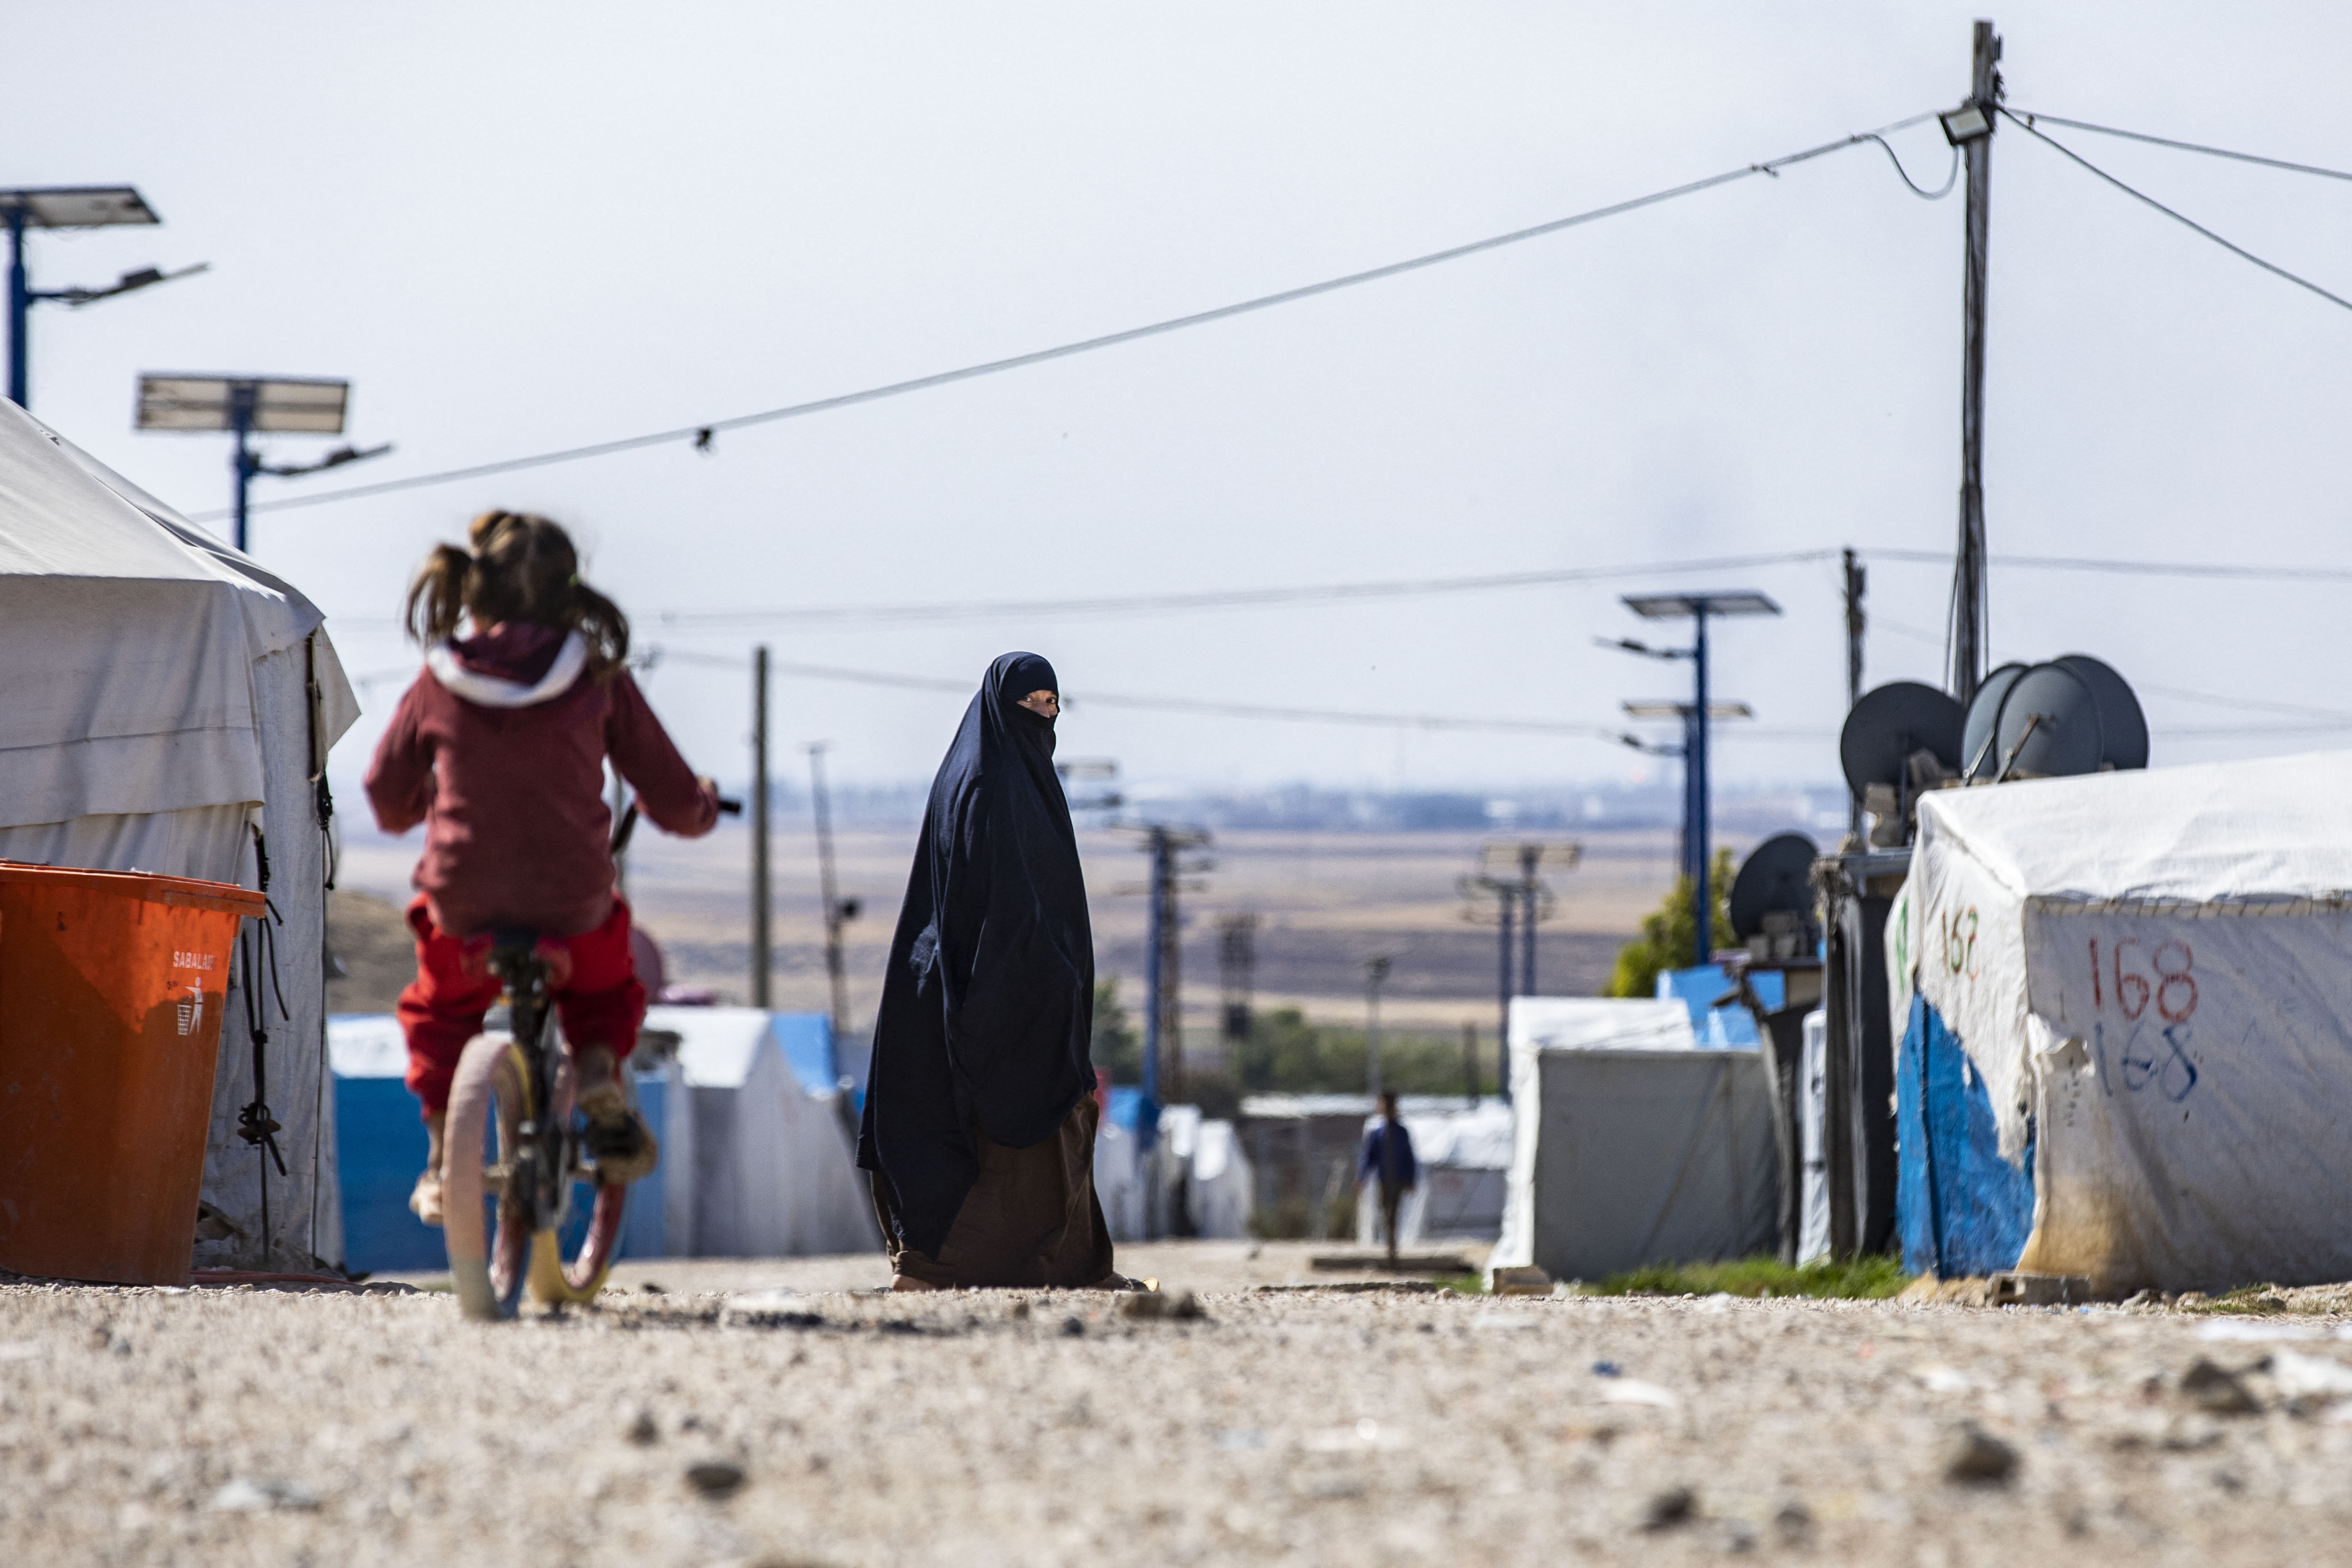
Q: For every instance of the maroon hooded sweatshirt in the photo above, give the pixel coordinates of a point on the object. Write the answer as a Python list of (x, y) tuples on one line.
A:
[(499, 748)]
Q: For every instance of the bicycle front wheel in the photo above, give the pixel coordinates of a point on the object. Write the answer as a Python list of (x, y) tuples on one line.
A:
[(490, 1096)]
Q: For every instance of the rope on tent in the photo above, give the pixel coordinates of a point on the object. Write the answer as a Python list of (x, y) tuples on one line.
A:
[(254, 1123)]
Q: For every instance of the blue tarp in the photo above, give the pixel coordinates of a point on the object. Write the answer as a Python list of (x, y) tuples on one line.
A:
[(380, 1147), (1959, 1207), (1731, 1027)]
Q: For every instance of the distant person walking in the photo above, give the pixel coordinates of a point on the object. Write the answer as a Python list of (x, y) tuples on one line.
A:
[(979, 1131), (1388, 1160)]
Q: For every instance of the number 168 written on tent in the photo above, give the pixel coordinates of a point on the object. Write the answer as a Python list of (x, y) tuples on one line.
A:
[(2168, 980)]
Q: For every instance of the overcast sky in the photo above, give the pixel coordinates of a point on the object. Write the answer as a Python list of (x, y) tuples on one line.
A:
[(517, 227)]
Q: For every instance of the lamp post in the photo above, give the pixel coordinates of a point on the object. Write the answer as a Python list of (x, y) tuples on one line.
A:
[(1698, 609), (247, 404), (65, 206), (1376, 970)]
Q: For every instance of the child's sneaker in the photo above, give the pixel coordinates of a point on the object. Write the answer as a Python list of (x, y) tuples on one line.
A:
[(618, 1140), (425, 1201)]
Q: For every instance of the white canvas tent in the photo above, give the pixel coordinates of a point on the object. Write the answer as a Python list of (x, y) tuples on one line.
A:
[(1465, 1155), (1631, 1145), (2149, 977), (167, 699), (769, 1170)]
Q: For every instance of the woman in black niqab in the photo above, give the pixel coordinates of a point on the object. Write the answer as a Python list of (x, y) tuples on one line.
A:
[(980, 1111)]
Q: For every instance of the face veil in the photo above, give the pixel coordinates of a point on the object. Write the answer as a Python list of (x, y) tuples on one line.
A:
[(988, 1004)]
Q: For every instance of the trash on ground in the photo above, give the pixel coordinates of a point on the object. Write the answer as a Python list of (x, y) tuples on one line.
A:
[(2217, 1391), (242, 1496), (1978, 1458)]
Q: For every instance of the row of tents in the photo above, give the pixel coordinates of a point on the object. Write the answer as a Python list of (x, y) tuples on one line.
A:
[(2096, 1027)]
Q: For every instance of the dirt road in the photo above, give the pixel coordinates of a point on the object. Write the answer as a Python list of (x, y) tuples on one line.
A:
[(254, 1427)]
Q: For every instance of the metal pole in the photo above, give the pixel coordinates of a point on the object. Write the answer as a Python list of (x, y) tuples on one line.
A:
[(1155, 948), (1855, 580), (240, 414), (20, 301), (837, 911), (1146, 1113), (1509, 902), (1470, 1061), (1375, 971), (763, 886), (1970, 619), (1528, 854), (1705, 939)]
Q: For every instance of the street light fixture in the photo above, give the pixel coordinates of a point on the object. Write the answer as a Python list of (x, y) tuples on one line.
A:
[(281, 404), (66, 206), (1967, 124), (1698, 609)]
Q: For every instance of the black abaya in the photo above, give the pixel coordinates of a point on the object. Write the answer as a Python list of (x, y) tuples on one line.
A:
[(987, 1009)]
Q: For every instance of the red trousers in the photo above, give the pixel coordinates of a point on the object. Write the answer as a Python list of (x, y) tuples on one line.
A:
[(601, 1002)]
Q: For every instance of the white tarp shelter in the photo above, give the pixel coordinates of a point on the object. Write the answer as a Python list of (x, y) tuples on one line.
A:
[(1465, 1155), (2149, 974), (768, 1170), (1632, 1145), (1118, 1180), (167, 700)]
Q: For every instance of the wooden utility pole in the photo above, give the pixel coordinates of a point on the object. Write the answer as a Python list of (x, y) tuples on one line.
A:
[(838, 910), (1969, 622), (1856, 579), (762, 951)]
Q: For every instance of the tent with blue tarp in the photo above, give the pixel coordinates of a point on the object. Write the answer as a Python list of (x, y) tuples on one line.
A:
[(2124, 1007), (1717, 1024), (754, 1159)]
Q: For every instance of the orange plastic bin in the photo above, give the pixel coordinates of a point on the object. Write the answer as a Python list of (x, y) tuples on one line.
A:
[(112, 988)]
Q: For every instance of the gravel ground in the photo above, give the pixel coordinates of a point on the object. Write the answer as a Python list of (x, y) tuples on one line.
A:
[(269, 1427)]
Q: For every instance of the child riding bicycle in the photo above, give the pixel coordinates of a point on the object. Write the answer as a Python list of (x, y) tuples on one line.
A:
[(499, 748)]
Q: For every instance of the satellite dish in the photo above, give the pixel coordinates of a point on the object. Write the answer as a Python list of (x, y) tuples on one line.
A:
[(2049, 727), (1776, 877), (2120, 720), (1976, 758), (1886, 726)]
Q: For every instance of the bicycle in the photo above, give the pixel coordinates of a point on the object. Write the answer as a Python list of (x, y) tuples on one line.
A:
[(521, 1084)]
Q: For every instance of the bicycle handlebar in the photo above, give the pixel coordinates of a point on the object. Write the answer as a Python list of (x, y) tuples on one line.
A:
[(629, 820)]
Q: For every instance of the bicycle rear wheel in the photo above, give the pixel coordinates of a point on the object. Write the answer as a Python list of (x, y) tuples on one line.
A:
[(491, 1090)]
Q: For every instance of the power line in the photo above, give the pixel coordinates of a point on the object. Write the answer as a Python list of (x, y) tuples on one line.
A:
[(2032, 117), (701, 433), (2233, 247), (2127, 568), (1215, 599), (1200, 705), (1398, 588)]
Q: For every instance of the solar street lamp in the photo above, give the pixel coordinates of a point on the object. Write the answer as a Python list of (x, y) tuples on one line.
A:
[(1698, 609), (66, 206), (279, 405)]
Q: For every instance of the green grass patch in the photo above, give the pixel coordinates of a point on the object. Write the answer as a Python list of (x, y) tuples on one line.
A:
[(1461, 1284), (2246, 1301), (1857, 1279)]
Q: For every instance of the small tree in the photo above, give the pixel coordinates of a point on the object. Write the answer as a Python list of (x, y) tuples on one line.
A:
[(1116, 1047), (1665, 940)]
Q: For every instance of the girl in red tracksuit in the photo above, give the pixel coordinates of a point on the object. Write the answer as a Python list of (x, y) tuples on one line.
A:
[(500, 750)]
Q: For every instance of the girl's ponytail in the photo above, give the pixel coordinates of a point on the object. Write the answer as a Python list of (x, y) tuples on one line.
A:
[(598, 619), (436, 599), (520, 568)]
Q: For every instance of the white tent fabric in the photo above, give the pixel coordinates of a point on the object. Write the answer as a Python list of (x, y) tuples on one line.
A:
[(1630, 1143), (1119, 1181), (167, 698), (773, 1171), (1222, 1193), (1812, 1116), (2155, 968), (1465, 1155)]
